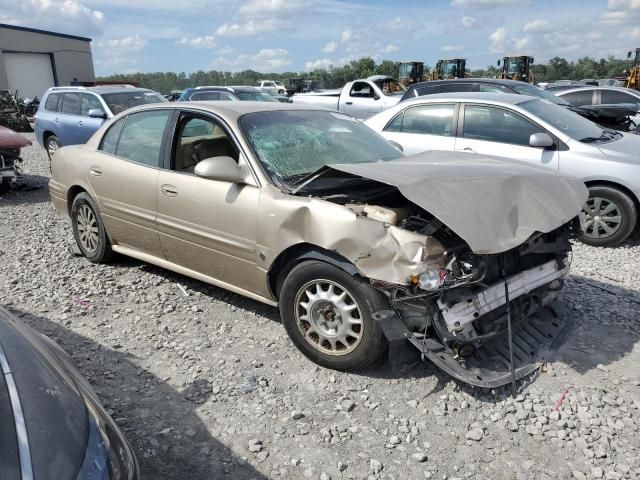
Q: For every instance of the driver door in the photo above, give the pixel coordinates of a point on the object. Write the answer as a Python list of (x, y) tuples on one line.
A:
[(362, 101), (205, 225), (498, 131)]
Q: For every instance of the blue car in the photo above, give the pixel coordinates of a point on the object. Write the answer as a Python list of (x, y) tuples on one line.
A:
[(71, 115)]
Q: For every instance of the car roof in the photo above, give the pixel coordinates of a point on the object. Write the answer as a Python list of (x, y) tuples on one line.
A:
[(494, 81), (227, 88), (508, 98), (231, 111), (101, 89), (603, 87)]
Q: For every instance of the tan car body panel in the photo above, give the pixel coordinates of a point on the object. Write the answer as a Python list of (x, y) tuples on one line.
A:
[(235, 246)]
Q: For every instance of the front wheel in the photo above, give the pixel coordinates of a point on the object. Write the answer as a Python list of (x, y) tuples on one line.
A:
[(611, 216), (328, 315), (88, 229)]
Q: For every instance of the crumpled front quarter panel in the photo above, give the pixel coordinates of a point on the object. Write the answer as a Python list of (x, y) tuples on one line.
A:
[(379, 251)]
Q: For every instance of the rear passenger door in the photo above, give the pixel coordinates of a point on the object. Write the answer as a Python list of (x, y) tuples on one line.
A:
[(206, 225), (580, 98), (424, 127), (123, 175), (498, 131)]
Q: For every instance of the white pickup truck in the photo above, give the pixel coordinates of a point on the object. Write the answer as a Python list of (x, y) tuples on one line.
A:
[(360, 98)]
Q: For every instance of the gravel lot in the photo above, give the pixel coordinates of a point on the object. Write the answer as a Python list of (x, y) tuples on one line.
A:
[(206, 384)]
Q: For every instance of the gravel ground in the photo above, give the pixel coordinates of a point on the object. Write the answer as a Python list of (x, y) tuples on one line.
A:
[(206, 384)]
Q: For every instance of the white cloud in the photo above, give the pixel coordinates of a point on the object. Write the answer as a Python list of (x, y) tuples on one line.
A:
[(622, 12), (395, 24), (322, 63), (390, 48), (635, 33), (251, 27), (538, 26), (67, 16), (452, 48), (468, 21), (278, 7), (206, 41), (132, 43), (346, 36), (330, 47), (498, 40), (267, 59), (488, 3)]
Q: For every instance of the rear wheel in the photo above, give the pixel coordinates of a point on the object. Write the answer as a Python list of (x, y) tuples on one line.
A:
[(328, 316), (88, 229), (611, 216)]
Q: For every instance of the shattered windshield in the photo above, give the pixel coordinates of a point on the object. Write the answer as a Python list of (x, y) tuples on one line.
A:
[(119, 102), (293, 144)]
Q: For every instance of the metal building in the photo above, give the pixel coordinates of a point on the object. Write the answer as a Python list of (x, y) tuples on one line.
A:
[(33, 60)]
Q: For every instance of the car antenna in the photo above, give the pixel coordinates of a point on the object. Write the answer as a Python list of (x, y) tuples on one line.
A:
[(509, 329)]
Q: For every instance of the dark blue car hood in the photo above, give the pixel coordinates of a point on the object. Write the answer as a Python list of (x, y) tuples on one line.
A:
[(55, 413)]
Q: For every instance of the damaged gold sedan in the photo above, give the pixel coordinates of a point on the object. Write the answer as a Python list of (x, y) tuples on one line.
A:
[(362, 249)]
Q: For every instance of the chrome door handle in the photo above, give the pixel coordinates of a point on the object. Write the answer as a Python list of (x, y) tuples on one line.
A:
[(95, 171), (469, 149), (169, 191), (349, 103)]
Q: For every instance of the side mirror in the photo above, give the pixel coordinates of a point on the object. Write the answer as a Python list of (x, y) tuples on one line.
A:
[(97, 113), (540, 140), (224, 169), (498, 63), (376, 96), (396, 144), (629, 54), (531, 60)]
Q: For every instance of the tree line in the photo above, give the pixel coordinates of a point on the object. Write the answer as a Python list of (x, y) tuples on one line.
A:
[(556, 69)]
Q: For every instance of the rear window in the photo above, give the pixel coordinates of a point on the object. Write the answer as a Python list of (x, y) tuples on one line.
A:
[(579, 98), (121, 101), (52, 102), (616, 96)]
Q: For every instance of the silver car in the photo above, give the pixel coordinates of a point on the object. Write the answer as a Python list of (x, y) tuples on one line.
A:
[(533, 131), (579, 97)]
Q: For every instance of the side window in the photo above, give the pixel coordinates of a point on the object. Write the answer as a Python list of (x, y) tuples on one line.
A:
[(89, 102), (361, 90), (395, 125), (497, 125), (52, 102), (71, 103), (427, 90), (426, 120), (141, 137), (579, 98), (491, 88), (227, 97), (198, 138), (110, 139), (615, 96)]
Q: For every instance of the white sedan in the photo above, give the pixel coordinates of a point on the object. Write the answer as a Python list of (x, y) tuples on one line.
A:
[(524, 128)]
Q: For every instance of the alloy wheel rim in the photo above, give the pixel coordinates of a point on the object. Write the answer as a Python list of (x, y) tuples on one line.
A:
[(328, 317), (604, 218), (87, 229), (52, 146)]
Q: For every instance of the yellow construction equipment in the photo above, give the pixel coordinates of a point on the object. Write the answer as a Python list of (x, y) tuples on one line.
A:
[(411, 72), (448, 69), (633, 80), (517, 68)]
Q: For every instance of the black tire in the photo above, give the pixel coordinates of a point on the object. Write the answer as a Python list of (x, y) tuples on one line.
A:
[(5, 187), (372, 342), (625, 209), (102, 251)]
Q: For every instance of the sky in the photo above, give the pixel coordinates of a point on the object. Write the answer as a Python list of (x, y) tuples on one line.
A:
[(293, 35)]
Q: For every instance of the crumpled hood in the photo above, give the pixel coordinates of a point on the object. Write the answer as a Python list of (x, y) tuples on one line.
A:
[(493, 205)]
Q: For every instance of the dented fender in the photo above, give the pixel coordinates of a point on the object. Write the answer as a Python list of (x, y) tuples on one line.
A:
[(379, 251)]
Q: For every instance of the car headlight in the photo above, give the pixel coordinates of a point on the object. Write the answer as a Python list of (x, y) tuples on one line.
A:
[(431, 279), (108, 455)]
